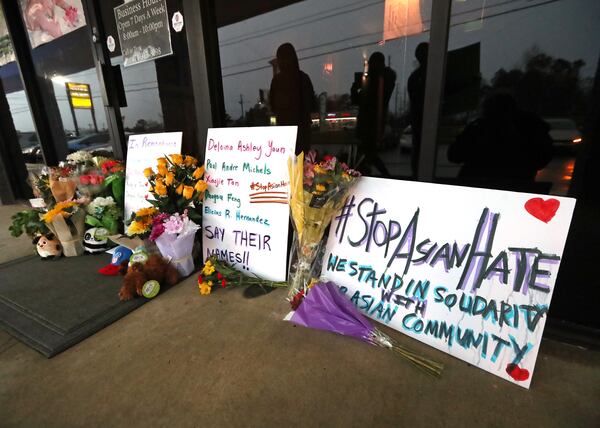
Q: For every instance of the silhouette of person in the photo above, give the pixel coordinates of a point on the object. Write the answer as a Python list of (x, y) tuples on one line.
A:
[(505, 145), (372, 95), (292, 96), (416, 95)]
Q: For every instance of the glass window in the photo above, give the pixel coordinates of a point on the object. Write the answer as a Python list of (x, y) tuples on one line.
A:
[(63, 58), (517, 97), (351, 95), (518, 75)]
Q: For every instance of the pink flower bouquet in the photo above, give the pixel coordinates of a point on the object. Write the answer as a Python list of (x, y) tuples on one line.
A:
[(174, 236)]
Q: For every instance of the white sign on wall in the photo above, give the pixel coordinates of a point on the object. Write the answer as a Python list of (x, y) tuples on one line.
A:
[(246, 213), (142, 152), (468, 271)]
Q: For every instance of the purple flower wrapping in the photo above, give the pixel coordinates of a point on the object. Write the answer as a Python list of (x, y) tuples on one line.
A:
[(326, 308)]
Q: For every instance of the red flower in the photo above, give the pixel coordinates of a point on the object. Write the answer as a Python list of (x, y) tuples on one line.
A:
[(223, 283), (327, 158), (200, 279), (84, 179), (219, 276), (297, 299)]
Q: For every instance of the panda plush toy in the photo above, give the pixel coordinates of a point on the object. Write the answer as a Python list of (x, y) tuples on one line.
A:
[(48, 246), (95, 240)]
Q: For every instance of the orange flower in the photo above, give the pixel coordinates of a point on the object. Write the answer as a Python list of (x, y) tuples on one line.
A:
[(161, 161), (190, 160), (179, 189), (169, 178), (201, 186), (177, 159), (188, 192), (160, 188), (148, 172), (198, 173), (162, 170)]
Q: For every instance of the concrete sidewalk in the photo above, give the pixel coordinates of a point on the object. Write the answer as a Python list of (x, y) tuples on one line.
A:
[(185, 360)]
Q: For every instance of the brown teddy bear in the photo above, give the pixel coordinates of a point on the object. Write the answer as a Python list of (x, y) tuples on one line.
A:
[(137, 274)]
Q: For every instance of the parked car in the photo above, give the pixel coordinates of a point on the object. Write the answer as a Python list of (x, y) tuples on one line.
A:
[(91, 142), (564, 132)]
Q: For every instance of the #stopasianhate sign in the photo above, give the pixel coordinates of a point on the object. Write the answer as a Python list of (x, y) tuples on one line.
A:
[(468, 271), (246, 212)]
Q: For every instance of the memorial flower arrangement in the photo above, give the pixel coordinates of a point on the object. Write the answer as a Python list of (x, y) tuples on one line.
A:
[(217, 273), (177, 185), (80, 157), (317, 192), (104, 212), (322, 306), (174, 236), (140, 223), (114, 172), (177, 190), (67, 221)]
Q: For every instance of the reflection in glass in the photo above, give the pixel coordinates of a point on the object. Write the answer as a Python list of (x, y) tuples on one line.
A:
[(333, 41)]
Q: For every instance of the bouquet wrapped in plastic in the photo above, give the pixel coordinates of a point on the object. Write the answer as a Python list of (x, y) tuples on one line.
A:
[(324, 307), (317, 192), (174, 236), (67, 221)]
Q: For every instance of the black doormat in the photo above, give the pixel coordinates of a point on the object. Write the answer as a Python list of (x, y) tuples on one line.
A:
[(52, 305)]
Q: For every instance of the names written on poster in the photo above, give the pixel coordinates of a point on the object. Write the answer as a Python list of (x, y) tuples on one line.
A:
[(246, 209)]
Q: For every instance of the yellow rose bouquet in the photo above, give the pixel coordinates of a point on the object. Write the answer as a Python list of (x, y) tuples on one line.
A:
[(317, 192), (178, 189)]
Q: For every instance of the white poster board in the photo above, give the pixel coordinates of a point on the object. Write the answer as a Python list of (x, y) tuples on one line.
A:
[(246, 213), (468, 271), (142, 152)]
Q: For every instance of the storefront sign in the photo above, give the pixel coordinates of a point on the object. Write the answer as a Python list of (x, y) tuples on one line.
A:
[(143, 27), (79, 95), (142, 152), (246, 212), (468, 271), (402, 18)]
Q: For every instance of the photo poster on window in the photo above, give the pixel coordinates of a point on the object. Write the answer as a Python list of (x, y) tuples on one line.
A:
[(142, 152), (47, 20), (402, 18), (245, 216), (468, 271), (143, 28)]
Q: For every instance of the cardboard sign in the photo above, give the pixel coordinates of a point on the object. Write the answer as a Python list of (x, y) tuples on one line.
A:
[(143, 27), (402, 18), (142, 152), (246, 213), (468, 271)]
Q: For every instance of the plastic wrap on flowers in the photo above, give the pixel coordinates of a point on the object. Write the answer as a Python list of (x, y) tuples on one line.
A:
[(324, 307), (176, 242), (69, 231), (317, 192)]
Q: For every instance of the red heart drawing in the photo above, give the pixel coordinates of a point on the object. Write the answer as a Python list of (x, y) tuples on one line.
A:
[(517, 373), (542, 210)]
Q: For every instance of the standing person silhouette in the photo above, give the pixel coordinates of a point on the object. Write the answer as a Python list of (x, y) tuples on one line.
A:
[(416, 95), (506, 146), (292, 96), (372, 95)]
